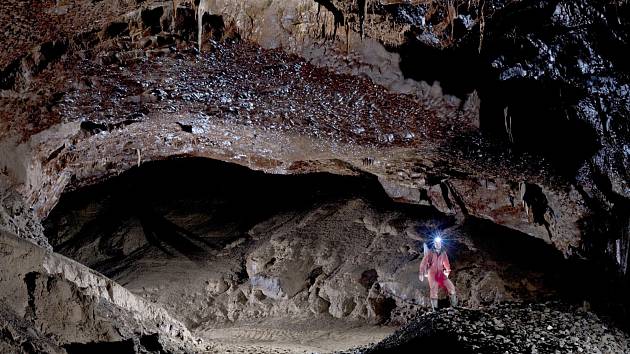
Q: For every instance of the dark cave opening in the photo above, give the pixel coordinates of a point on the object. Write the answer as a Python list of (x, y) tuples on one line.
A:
[(181, 215), (245, 191), (459, 71), (536, 117), (213, 25), (151, 19), (194, 206), (233, 197), (533, 115), (529, 116)]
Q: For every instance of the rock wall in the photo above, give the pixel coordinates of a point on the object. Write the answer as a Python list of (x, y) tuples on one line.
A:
[(50, 302)]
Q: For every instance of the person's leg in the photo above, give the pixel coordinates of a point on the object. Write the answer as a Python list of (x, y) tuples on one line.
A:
[(451, 291), (434, 304), (433, 292)]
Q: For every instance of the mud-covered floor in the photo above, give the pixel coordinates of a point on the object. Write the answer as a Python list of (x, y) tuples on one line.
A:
[(313, 262)]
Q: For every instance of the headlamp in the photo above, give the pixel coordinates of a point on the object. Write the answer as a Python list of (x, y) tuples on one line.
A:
[(437, 236)]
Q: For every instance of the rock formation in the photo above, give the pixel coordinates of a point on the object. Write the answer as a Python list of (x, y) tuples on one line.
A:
[(485, 116)]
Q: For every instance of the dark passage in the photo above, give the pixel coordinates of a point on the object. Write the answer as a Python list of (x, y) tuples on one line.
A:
[(187, 206), (195, 207), (122, 347), (187, 219)]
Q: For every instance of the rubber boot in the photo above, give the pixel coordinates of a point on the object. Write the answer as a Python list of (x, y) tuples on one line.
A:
[(453, 300), (434, 304)]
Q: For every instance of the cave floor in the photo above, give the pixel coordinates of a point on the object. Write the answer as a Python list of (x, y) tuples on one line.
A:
[(291, 336)]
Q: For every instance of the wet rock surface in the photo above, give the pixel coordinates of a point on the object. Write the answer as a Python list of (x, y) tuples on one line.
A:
[(510, 327), (544, 70)]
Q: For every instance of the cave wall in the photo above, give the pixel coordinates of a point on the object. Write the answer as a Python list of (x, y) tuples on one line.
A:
[(53, 302), (581, 210), (542, 70), (522, 110)]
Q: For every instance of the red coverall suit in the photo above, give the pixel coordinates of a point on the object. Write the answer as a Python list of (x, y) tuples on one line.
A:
[(435, 264)]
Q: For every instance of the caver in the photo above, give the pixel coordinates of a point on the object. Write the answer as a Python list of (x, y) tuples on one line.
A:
[(436, 268)]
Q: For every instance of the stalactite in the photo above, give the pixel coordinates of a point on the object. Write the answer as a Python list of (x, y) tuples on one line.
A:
[(338, 17), (482, 25), (362, 6), (508, 124), (347, 38), (175, 6), (204, 8)]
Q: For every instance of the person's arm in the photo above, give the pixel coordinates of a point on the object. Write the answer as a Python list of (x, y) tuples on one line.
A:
[(446, 264), (423, 266)]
